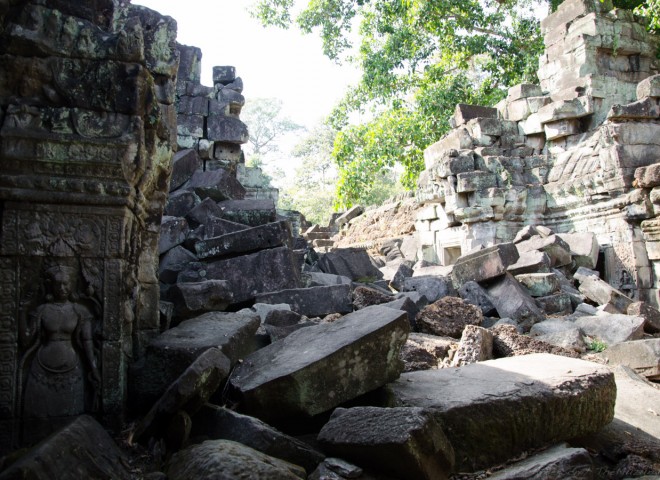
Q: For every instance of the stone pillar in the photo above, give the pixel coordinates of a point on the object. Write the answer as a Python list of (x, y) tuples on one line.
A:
[(87, 129)]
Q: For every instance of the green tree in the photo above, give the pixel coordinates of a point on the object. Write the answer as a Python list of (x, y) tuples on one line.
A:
[(266, 125)]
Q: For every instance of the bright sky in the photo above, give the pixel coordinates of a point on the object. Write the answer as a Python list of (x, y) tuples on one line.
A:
[(272, 62)]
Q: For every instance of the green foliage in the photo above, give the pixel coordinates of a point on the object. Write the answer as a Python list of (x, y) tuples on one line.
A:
[(596, 345), (266, 124)]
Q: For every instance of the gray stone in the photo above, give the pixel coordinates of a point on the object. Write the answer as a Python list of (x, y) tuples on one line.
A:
[(320, 279), (184, 164), (403, 271), (463, 113), (584, 248), (511, 300), (249, 240), (188, 393), (317, 368), (179, 203), (603, 293), (476, 346), (523, 90), (225, 129), (353, 263), (475, 294), (513, 404), (195, 298), (172, 352), (423, 351), (648, 176), (190, 125), (224, 74), (484, 264), (637, 403), (649, 87), (611, 329), (249, 212), (200, 213), (556, 248), (216, 423), (556, 462), (82, 449), (539, 284), (431, 287), (404, 304), (643, 356), (509, 342), (364, 296), (448, 317), (337, 469), (569, 339), (475, 180), (349, 215), (403, 442), (583, 273), (217, 185), (650, 314), (556, 304), (219, 459), (249, 275), (216, 227), (313, 301), (173, 231), (263, 309), (173, 262)]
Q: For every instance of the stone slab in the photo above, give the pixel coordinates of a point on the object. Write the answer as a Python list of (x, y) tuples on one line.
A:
[(484, 264), (513, 404), (556, 462), (643, 356), (270, 235), (512, 301), (611, 329), (432, 287), (313, 301)]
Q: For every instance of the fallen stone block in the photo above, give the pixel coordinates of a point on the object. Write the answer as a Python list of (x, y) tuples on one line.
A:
[(649, 87), (320, 279), (349, 215), (464, 113), (404, 304), (423, 351), (336, 469), (637, 403), (188, 393), (180, 203), (611, 329), (648, 177), (403, 442), (215, 423), (313, 301), (603, 293), (651, 315), (173, 351), (566, 109), (512, 301), (173, 262), (643, 356), (216, 459), (484, 264), (561, 128), (217, 185), (513, 404), (270, 235), (559, 461), (195, 298), (509, 342), (249, 211), (556, 248), (317, 368), (475, 294), (431, 287), (200, 213), (184, 164), (353, 263), (583, 273), (556, 304), (249, 275), (225, 129), (567, 339), (448, 317), (476, 346), (364, 296), (539, 284), (403, 271), (584, 248), (173, 231)]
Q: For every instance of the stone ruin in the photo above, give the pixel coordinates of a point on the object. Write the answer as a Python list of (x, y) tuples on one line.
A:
[(433, 335)]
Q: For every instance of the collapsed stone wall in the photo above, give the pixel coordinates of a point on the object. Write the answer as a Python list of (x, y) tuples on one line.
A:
[(88, 125), (565, 154)]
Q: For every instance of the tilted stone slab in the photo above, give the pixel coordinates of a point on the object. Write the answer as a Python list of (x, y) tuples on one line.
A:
[(557, 462), (584, 248), (603, 293), (184, 164), (179, 203), (433, 287), (512, 301), (217, 185), (249, 212), (533, 261), (475, 294), (195, 298), (353, 263), (611, 329), (198, 215), (173, 262), (313, 301), (349, 215), (643, 356), (270, 235), (649, 87), (404, 442), (484, 264), (650, 314), (496, 409), (317, 368), (173, 231), (557, 249), (539, 284)]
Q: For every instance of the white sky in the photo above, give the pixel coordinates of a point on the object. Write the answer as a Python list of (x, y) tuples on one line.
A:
[(272, 62)]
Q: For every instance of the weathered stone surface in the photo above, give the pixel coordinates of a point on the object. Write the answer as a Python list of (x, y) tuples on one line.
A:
[(173, 262), (403, 271), (317, 368), (523, 90), (270, 235), (431, 287), (464, 113), (423, 351), (82, 449), (612, 329), (404, 442), (404, 304), (319, 279), (508, 342), (188, 393), (200, 213), (512, 301), (475, 294), (184, 164), (180, 203), (215, 459), (484, 264), (584, 248), (313, 301), (651, 315), (649, 87), (194, 298), (448, 317), (217, 185), (476, 346), (556, 462), (249, 275), (337, 469), (539, 284), (225, 129), (648, 177), (349, 215), (353, 263), (513, 403), (217, 423), (475, 180), (556, 248), (637, 401), (570, 339), (248, 212), (556, 304), (224, 74), (603, 293), (173, 231), (643, 356), (365, 296), (169, 354)]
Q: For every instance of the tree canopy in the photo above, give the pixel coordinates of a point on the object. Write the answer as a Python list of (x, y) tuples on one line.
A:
[(418, 58)]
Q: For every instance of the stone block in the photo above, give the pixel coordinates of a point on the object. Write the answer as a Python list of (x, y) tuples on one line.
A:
[(448, 317), (484, 264), (313, 301), (475, 294), (452, 165), (539, 284), (643, 356), (561, 128), (173, 231), (226, 129), (349, 215), (584, 248), (650, 314), (457, 139), (433, 287), (649, 87), (251, 212), (646, 109), (480, 127), (340, 361), (556, 304), (476, 180), (611, 329), (523, 90), (648, 177), (184, 164), (173, 262), (603, 293), (224, 74), (190, 125), (476, 346), (194, 298), (532, 261), (560, 461), (187, 105), (401, 442), (565, 398), (353, 263), (270, 235), (190, 63), (566, 109), (512, 301), (556, 248), (464, 113), (179, 203), (217, 185)]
